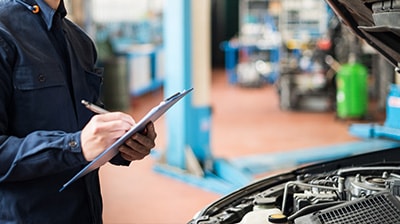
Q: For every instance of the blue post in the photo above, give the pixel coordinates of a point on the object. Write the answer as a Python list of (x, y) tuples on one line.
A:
[(177, 43)]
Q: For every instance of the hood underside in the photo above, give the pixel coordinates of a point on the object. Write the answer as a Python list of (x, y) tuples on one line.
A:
[(376, 22)]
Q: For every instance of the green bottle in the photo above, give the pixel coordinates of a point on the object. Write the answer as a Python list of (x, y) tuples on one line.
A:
[(352, 91)]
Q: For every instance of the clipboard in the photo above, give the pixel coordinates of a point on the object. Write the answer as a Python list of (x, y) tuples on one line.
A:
[(112, 150)]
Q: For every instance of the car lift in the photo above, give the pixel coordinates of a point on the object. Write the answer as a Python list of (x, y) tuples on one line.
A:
[(188, 156)]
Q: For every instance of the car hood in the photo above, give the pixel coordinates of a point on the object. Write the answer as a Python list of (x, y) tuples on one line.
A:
[(376, 22)]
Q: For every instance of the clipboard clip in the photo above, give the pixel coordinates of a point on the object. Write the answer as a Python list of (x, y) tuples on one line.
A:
[(177, 94)]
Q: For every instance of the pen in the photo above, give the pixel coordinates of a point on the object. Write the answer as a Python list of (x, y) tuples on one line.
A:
[(94, 107)]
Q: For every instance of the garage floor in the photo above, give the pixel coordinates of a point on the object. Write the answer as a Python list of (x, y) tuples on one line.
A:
[(245, 121)]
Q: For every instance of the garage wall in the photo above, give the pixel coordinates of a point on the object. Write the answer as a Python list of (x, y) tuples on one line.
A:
[(123, 10)]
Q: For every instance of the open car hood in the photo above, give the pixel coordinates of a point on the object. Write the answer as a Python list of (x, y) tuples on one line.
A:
[(376, 22)]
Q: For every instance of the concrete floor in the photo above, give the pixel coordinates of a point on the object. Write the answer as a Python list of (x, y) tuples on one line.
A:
[(245, 121)]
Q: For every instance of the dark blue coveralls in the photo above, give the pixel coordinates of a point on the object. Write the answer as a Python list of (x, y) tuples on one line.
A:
[(42, 82)]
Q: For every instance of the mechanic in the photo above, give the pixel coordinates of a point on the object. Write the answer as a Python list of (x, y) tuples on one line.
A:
[(47, 66)]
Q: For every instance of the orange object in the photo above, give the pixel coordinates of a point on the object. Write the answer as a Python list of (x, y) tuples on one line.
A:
[(35, 9)]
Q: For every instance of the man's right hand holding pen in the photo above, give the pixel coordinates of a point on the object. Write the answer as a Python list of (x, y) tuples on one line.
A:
[(105, 128)]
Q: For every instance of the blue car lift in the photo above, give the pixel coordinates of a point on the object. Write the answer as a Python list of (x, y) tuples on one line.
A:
[(188, 156)]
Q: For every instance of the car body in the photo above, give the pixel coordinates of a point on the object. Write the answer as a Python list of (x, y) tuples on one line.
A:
[(305, 191)]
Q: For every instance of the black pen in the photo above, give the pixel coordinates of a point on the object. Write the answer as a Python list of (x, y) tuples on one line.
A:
[(94, 107)]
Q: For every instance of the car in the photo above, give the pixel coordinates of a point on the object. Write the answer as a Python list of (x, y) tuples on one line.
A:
[(363, 188), (357, 189)]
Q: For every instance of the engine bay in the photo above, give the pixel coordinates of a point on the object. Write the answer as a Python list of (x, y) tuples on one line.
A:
[(340, 197), (348, 195)]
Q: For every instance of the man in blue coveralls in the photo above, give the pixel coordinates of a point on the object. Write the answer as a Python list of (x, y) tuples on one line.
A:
[(47, 66)]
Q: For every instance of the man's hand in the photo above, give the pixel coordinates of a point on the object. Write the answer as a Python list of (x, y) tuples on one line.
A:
[(139, 145), (103, 130)]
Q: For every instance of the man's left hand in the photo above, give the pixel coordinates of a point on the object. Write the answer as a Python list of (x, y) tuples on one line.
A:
[(140, 144)]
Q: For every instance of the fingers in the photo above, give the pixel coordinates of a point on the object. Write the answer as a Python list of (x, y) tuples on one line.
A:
[(151, 132), (139, 145), (137, 152), (113, 124), (103, 130), (118, 118)]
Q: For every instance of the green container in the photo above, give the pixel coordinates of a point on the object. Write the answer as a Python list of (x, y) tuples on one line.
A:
[(352, 91)]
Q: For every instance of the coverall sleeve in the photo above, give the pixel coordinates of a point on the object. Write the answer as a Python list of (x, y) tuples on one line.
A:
[(39, 154)]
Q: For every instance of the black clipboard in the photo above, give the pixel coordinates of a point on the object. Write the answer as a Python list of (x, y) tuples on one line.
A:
[(111, 151)]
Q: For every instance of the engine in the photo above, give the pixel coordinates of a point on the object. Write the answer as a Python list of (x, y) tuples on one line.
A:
[(354, 195), (351, 195)]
